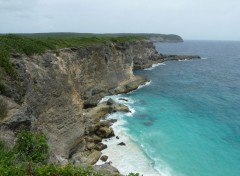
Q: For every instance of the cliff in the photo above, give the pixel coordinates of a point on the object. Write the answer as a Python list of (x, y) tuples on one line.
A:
[(58, 92), (55, 90), (172, 38)]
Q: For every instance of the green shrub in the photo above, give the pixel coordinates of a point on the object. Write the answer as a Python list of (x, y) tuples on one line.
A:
[(3, 109), (8, 162), (32, 147), (68, 170)]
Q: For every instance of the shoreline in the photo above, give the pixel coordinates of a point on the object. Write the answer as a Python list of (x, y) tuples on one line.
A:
[(124, 157), (124, 162)]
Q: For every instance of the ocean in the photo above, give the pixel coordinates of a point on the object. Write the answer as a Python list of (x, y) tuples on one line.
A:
[(186, 121)]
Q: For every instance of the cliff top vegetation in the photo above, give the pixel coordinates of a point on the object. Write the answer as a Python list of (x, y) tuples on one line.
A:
[(30, 44)]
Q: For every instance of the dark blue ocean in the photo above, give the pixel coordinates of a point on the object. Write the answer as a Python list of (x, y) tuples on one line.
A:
[(187, 120)]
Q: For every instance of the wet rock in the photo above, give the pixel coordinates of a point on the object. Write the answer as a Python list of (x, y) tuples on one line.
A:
[(105, 132), (135, 84), (104, 158), (117, 137), (112, 120), (182, 57), (122, 144), (110, 101), (100, 146), (123, 99), (120, 108)]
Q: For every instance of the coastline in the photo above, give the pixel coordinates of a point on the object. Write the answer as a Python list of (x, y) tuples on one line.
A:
[(72, 82), (124, 157)]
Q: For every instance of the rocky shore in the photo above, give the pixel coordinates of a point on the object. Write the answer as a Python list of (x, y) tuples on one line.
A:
[(58, 93)]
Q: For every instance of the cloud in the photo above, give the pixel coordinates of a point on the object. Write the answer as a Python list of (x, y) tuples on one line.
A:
[(198, 19)]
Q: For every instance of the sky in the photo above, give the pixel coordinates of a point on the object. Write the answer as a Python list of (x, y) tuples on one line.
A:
[(191, 19)]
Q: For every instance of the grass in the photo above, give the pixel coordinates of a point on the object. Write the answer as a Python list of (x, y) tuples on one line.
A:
[(30, 45), (37, 44)]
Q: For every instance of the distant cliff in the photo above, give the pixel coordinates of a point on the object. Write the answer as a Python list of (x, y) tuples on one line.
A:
[(165, 38), (153, 37)]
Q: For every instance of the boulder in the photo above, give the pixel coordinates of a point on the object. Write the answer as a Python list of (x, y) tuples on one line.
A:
[(122, 144), (105, 132), (106, 169), (93, 157), (104, 158), (110, 101), (120, 108), (100, 146)]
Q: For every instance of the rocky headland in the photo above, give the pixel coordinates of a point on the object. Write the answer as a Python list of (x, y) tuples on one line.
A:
[(58, 93)]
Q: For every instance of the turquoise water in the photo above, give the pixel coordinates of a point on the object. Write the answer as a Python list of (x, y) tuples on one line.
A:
[(187, 121)]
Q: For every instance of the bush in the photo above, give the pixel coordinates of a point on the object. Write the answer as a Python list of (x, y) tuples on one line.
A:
[(8, 164), (3, 109), (69, 169), (32, 147), (33, 151)]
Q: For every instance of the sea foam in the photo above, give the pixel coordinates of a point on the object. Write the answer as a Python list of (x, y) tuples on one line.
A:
[(154, 66), (129, 158)]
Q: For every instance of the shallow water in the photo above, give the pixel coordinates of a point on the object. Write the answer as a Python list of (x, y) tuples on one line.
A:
[(187, 121)]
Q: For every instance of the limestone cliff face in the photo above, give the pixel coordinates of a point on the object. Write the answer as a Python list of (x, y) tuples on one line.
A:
[(55, 89), (147, 56)]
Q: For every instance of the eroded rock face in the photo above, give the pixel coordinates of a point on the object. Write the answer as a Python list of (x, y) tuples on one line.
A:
[(54, 91), (147, 57)]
